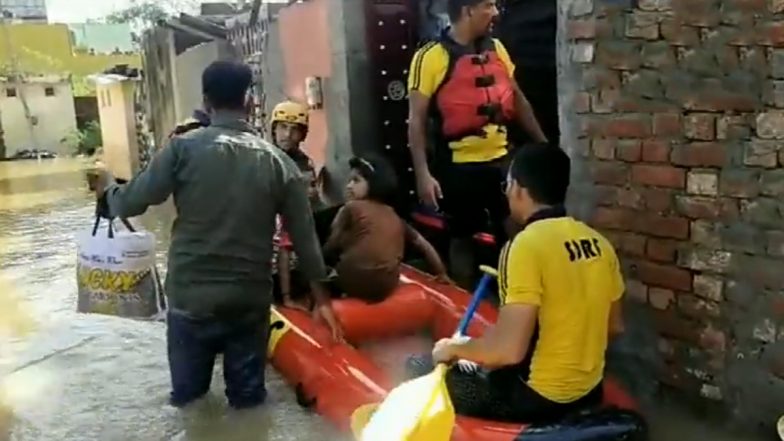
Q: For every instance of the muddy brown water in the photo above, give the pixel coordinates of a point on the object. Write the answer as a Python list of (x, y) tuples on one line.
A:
[(75, 377)]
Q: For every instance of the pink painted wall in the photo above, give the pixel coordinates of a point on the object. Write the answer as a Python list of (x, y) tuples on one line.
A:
[(305, 38)]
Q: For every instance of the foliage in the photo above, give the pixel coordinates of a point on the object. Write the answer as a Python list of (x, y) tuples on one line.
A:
[(85, 141), (140, 15)]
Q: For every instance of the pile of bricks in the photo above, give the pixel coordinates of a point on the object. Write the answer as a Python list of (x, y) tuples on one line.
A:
[(678, 118)]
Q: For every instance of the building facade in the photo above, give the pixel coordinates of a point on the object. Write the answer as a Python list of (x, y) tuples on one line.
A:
[(37, 113), (24, 11), (48, 49), (116, 95), (673, 113)]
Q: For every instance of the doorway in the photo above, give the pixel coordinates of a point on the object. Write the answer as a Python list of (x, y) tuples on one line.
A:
[(528, 30)]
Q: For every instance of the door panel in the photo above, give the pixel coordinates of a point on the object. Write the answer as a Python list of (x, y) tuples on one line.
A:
[(392, 36)]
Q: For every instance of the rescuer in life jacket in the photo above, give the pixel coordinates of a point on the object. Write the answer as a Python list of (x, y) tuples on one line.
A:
[(289, 129), (561, 293), (464, 84)]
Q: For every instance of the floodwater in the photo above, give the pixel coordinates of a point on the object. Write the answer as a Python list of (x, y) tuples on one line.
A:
[(75, 377)]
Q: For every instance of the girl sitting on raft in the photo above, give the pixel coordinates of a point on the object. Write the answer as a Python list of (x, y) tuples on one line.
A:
[(368, 238)]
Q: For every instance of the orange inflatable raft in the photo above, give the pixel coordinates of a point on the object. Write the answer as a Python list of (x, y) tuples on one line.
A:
[(338, 380)]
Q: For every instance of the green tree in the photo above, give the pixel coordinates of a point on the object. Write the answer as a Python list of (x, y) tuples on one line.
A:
[(140, 14)]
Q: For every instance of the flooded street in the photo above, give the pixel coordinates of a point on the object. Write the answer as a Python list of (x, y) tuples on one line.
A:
[(88, 377), (77, 377)]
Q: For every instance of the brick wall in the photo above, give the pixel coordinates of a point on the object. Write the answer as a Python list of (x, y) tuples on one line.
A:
[(673, 111)]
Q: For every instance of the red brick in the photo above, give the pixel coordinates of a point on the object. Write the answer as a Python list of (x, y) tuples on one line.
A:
[(607, 195), (664, 276), (711, 99), (777, 307), (740, 183), (775, 243), (700, 13), (771, 34), (600, 78), (700, 154), (728, 57), (582, 29), (654, 150), (674, 375), (632, 104), (666, 348), (603, 148), (632, 244), (669, 324), (677, 34), (582, 102), (747, 5), (730, 209), (713, 339), (604, 101), (619, 54), (629, 198), (659, 176), (695, 307), (664, 251), (662, 226), (777, 366), (610, 172), (733, 127), (620, 127), (629, 150), (696, 207), (667, 124), (700, 126), (613, 218), (586, 29), (657, 200), (661, 298)]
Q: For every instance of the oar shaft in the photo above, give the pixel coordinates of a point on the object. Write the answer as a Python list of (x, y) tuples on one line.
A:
[(475, 301)]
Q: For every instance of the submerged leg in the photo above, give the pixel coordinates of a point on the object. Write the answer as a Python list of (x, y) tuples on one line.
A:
[(244, 360), (191, 358)]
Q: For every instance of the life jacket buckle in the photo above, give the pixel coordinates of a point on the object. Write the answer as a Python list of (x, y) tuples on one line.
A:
[(485, 81), (479, 59), (490, 110)]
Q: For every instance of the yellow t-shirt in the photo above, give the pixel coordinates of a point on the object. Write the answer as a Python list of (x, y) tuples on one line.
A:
[(571, 273), (428, 69)]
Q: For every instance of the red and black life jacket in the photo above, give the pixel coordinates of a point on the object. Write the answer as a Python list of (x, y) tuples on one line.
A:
[(477, 90)]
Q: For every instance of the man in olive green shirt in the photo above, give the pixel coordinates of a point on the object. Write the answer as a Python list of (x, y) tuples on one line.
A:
[(228, 186)]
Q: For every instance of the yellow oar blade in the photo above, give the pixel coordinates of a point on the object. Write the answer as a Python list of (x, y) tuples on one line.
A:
[(417, 410), (780, 427)]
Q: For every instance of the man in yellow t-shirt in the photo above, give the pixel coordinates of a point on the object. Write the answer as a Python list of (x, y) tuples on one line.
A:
[(561, 289), (464, 85)]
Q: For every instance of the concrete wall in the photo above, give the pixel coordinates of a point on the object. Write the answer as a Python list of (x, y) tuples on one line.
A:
[(118, 128), (48, 49), (103, 38), (159, 76), (173, 81), (307, 54), (56, 117), (334, 48), (673, 112), (187, 77)]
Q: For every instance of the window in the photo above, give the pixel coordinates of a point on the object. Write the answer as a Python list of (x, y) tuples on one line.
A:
[(49, 91), (10, 92)]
